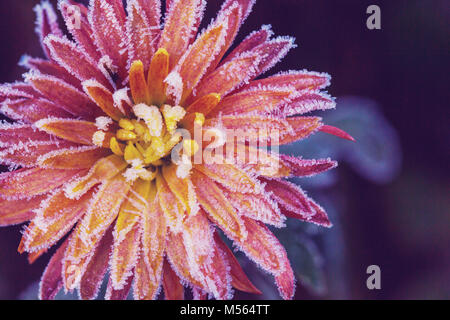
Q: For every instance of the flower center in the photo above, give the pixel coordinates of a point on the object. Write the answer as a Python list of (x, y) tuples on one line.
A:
[(146, 141)]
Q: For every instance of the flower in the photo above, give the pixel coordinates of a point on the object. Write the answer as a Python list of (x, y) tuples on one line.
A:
[(96, 127)]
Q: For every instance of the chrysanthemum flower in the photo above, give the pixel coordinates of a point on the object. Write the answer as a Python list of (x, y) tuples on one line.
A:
[(96, 125)]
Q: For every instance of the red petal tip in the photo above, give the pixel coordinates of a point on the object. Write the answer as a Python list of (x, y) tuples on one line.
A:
[(336, 132)]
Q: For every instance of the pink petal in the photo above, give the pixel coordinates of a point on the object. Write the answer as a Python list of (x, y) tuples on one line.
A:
[(32, 110), (46, 23), (108, 24), (307, 168), (51, 281), (336, 132)]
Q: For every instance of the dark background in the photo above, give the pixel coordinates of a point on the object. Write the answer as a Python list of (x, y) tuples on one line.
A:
[(402, 226)]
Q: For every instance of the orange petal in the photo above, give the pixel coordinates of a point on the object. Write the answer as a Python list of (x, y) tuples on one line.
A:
[(104, 169), (149, 270), (205, 104), (173, 290), (138, 84), (13, 134), (78, 131), (127, 233), (219, 209), (178, 29), (238, 276), (303, 127), (257, 207), (228, 77), (199, 56), (68, 97), (122, 294), (158, 71), (181, 188), (18, 211), (51, 281), (261, 101), (103, 98), (178, 257), (258, 128), (264, 248), (74, 60), (103, 210), (73, 158), (173, 210), (27, 154), (95, 271), (230, 176), (141, 32), (54, 219), (107, 19), (24, 183)]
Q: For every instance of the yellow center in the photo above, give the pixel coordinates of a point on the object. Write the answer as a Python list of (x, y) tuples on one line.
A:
[(146, 141)]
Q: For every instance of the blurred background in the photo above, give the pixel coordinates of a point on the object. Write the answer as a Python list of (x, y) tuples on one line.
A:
[(389, 198)]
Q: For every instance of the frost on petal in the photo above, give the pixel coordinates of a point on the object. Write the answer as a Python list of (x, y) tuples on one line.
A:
[(51, 281), (301, 80), (173, 289), (263, 100), (74, 60), (258, 207), (250, 42), (152, 10), (68, 97), (54, 218), (205, 261), (178, 258), (175, 85), (181, 23), (181, 188), (50, 68), (102, 211), (264, 249), (231, 176), (307, 101), (149, 271), (320, 217), (46, 23), (77, 131), (172, 208), (219, 209), (103, 169), (18, 211), (32, 110), (13, 134), (307, 168), (73, 158), (290, 197), (75, 17), (258, 128), (194, 63), (25, 183), (107, 20), (229, 76), (303, 127), (121, 294), (127, 233), (103, 98), (239, 280), (26, 154), (141, 33), (95, 271)]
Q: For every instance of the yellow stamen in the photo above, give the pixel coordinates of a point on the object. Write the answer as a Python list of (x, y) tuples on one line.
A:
[(199, 118), (116, 147), (125, 135), (131, 153), (172, 115), (126, 124)]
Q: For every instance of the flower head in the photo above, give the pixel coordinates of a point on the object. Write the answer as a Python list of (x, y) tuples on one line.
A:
[(107, 155)]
